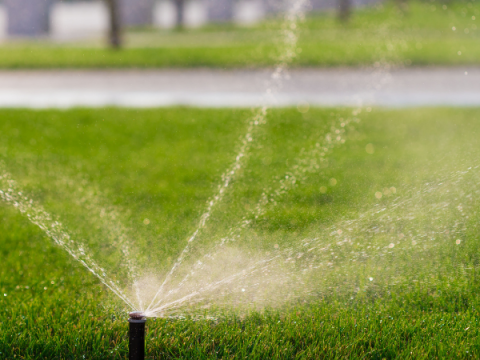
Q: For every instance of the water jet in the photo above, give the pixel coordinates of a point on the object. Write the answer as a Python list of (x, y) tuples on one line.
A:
[(136, 343)]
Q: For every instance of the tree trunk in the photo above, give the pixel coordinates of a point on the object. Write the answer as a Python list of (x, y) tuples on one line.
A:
[(114, 36), (344, 10), (180, 6)]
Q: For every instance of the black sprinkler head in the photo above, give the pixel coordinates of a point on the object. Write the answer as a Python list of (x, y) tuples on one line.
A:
[(136, 342)]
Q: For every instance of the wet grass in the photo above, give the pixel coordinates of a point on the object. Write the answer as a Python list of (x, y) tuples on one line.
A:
[(427, 33), (163, 165)]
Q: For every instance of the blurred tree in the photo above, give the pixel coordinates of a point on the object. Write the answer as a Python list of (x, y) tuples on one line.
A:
[(180, 6), (114, 36), (344, 10)]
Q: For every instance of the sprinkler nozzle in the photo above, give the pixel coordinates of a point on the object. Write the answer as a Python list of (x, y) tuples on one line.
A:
[(137, 335), (137, 315)]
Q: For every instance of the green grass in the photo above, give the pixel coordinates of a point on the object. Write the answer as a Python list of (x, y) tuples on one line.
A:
[(164, 165), (422, 35)]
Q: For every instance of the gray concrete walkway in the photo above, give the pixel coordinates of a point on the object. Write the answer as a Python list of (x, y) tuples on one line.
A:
[(240, 88)]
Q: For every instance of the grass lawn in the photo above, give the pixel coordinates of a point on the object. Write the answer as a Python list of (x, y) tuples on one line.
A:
[(428, 33), (415, 298)]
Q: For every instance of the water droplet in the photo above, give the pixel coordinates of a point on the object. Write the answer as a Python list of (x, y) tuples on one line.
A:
[(378, 195), (323, 189), (146, 221), (332, 182)]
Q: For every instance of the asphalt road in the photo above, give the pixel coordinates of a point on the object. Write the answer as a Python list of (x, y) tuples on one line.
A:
[(241, 88)]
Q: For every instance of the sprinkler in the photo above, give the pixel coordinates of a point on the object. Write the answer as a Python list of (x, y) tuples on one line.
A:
[(136, 341)]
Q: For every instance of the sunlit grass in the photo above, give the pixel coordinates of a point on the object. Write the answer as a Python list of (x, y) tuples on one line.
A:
[(164, 164)]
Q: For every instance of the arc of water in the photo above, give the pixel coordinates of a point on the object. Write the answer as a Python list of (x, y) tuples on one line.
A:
[(91, 199), (290, 38), (53, 229)]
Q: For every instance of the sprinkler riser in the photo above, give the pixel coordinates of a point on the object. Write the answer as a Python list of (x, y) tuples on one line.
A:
[(136, 343)]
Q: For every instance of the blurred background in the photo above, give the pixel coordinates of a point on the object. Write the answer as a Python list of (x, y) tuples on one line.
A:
[(234, 33), (69, 19)]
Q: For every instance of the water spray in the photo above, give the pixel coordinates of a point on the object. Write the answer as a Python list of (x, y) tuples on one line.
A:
[(136, 342)]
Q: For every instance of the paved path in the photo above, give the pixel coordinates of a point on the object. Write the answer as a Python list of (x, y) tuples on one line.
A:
[(240, 88)]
